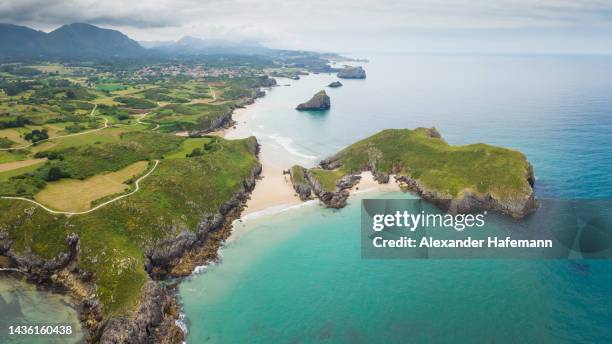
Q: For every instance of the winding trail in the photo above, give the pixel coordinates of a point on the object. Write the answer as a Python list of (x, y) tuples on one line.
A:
[(92, 209), (139, 121), (69, 213), (62, 136)]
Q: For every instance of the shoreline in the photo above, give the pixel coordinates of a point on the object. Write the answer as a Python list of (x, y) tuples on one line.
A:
[(274, 191)]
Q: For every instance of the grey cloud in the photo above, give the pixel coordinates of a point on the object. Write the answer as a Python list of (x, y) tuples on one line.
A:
[(50, 13), (299, 23)]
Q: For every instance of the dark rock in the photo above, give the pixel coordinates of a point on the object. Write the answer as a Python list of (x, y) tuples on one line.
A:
[(470, 201), (150, 323), (300, 182), (320, 101), (38, 269), (223, 121), (433, 132), (352, 73), (335, 84), (337, 198), (266, 81), (381, 177)]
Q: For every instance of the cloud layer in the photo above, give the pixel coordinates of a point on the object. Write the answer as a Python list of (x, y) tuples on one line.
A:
[(318, 24)]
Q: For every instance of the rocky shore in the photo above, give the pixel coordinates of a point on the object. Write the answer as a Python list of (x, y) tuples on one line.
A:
[(154, 320), (320, 101), (518, 206), (306, 185)]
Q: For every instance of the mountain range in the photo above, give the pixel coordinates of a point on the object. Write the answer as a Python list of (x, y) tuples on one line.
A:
[(72, 40), (79, 40), (189, 45)]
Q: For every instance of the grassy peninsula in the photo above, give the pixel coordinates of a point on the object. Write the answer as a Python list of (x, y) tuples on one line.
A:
[(456, 177)]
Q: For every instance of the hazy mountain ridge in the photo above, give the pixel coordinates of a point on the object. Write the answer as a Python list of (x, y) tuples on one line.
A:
[(189, 45), (71, 40), (79, 40)]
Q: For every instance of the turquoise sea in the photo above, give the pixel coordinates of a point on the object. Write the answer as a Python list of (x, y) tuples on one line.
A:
[(298, 277)]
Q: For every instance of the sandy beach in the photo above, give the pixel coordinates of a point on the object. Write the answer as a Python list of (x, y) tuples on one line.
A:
[(274, 191), (369, 184)]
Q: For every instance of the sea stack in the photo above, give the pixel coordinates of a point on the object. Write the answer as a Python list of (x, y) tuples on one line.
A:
[(352, 73), (320, 101), (335, 84)]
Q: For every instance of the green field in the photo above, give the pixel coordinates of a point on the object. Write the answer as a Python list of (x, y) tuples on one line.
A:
[(194, 177), (203, 183), (110, 87), (327, 178), (450, 170)]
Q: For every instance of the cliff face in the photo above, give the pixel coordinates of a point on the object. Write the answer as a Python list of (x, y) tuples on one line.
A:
[(337, 198), (449, 177), (352, 73), (305, 184), (470, 201), (301, 185), (320, 101), (154, 320)]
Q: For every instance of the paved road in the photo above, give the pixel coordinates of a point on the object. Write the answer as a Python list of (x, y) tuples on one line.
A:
[(61, 136), (92, 209)]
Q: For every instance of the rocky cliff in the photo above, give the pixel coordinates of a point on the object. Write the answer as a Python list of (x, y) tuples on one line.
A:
[(305, 184), (457, 179), (320, 101), (301, 185), (155, 317), (352, 73)]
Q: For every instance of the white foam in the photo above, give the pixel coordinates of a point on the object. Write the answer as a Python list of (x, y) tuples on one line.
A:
[(182, 324), (273, 210), (202, 268), (287, 144)]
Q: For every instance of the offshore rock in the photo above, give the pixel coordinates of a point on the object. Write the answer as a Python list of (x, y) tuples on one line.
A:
[(320, 101), (352, 73)]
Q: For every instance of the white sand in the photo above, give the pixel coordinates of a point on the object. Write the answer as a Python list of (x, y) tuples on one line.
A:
[(274, 191)]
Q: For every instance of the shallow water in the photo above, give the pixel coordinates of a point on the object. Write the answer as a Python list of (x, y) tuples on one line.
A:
[(22, 304), (298, 276)]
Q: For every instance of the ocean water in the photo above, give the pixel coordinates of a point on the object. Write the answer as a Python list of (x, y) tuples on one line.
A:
[(22, 303), (298, 277)]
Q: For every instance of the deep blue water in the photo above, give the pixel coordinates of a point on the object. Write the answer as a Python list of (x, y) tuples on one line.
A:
[(298, 276), (555, 109)]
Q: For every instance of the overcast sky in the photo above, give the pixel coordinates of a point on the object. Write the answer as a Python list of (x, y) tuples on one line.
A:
[(487, 26)]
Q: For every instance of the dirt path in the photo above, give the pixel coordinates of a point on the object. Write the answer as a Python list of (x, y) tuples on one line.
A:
[(62, 136), (137, 183), (139, 121)]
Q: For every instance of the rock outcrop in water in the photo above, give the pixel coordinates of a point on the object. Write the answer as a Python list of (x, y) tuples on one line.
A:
[(352, 73), (320, 101), (335, 84)]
